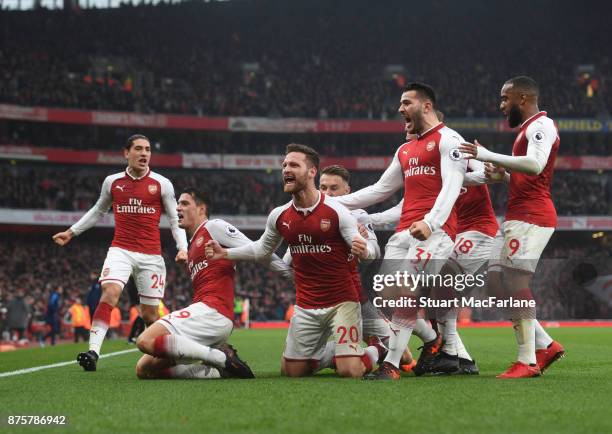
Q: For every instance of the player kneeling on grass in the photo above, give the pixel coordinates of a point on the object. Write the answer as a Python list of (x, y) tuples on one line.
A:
[(192, 342), (324, 242)]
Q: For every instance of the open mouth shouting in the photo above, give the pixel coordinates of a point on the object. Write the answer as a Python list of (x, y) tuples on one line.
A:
[(288, 180)]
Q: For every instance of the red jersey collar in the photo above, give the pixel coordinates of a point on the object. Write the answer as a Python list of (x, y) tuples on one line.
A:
[(311, 209), (430, 131), (127, 172), (532, 118), (197, 230)]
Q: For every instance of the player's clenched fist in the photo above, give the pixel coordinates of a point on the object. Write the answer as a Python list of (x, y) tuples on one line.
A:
[(494, 173), (214, 250), (63, 238), (420, 230), (359, 247), (363, 231), (181, 257)]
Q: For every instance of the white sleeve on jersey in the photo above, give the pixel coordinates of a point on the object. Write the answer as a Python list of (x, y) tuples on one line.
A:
[(169, 201), (477, 175), (228, 236), (452, 168), (348, 225), (390, 217), (390, 181), (264, 246), (363, 218), (287, 258), (96, 212), (541, 134)]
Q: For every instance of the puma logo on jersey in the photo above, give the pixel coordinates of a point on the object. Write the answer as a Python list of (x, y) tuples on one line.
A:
[(120, 187), (287, 224), (354, 347)]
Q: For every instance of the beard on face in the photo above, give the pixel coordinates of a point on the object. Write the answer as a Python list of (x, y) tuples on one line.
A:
[(417, 122), (514, 116), (298, 185)]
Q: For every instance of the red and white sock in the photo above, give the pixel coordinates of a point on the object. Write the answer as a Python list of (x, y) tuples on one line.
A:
[(99, 326), (447, 325), (542, 339), (180, 348), (423, 330), (398, 341), (196, 371), (461, 351), (371, 353), (524, 331)]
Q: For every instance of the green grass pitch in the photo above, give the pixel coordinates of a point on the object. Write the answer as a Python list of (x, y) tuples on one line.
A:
[(574, 396)]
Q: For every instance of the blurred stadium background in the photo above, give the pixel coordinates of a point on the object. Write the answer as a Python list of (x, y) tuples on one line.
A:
[(220, 93)]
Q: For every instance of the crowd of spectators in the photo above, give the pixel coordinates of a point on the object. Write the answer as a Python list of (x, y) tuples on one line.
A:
[(76, 188), (316, 59), (170, 141)]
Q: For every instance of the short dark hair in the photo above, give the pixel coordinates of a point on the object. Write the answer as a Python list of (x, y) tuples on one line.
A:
[(312, 156), (130, 141), (525, 84), (423, 90), (337, 170), (200, 197)]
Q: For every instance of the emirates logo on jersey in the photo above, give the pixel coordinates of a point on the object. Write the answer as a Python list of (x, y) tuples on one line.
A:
[(430, 146), (199, 242), (325, 224), (153, 188)]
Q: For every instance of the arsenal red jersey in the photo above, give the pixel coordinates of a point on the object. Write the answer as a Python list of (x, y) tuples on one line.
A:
[(529, 198), (475, 211), (322, 260), (213, 281), (137, 205), (420, 161)]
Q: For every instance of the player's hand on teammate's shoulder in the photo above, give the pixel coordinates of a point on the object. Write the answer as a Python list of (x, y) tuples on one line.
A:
[(181, 257), (63, 238), (214, 250), (470, 150), (359, 247), (420, 230), (495, 173)]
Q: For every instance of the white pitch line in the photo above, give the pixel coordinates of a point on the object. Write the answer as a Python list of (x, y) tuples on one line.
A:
[(57, 365)]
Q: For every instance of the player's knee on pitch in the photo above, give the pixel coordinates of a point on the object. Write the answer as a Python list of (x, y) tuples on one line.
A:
[(145, 344), (143, 370), (110, 293), (350, 367), (149, 314), (297, 368)]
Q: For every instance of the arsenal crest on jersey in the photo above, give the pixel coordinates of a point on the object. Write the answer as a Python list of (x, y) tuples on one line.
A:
[(152, 188), (430, 146), (199, 241), (325, 224)]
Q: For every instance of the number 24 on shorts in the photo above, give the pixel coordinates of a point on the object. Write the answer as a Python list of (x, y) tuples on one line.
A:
[(158, 281)]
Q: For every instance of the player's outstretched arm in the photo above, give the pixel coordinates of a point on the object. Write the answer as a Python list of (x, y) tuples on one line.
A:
[(452, 172), (90, 218), (391, 180), (390, 217), (229, 236), (541, 136), (254, 250)]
